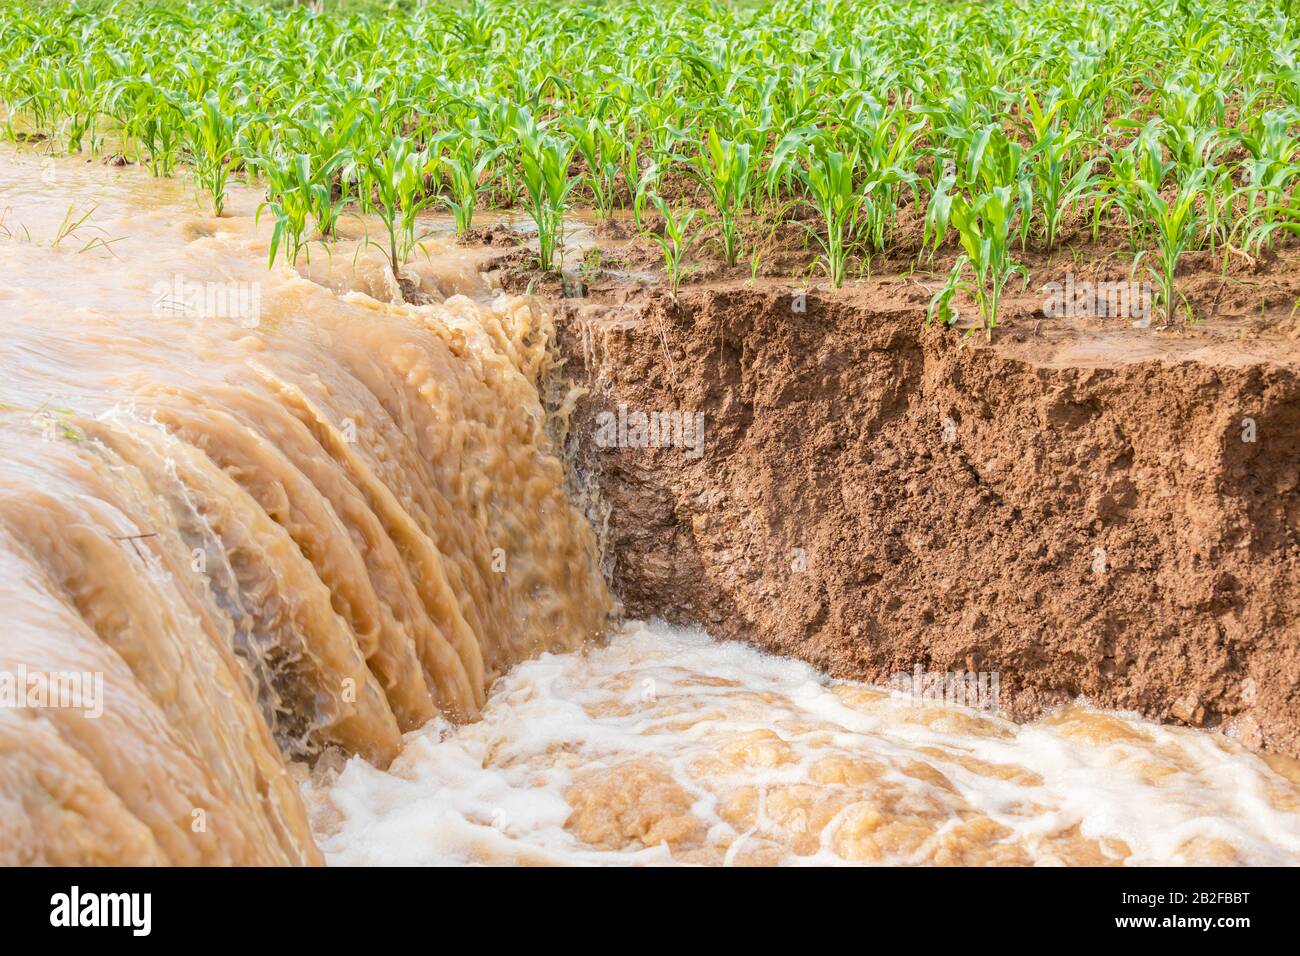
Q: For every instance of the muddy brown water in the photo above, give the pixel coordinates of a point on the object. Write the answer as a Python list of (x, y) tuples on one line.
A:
[(254, 520)]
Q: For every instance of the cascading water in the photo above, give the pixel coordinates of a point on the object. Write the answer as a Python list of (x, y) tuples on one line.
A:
[(268, 515)]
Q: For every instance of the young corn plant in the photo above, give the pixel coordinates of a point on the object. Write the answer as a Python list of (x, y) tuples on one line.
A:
[(210, 137), (1161, 229), (289, 205), (330, 134), (298, 194), (830, 186), (984, 268), (393, 188), (544, 161), (938, 211), (641, 183), (675, 242), (466, 166), (1196, 155), (996, 160), (150, 119), (601, 148), (1140, 161), (1176, 226), (327, 195), (723, 168), (1054, 185), (77, 87), (642, 189), (1271, 174), (990, 160), (886, 138)]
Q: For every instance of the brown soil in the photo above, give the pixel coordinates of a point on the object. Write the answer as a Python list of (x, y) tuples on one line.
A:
[(1073, 506), (495, 236)]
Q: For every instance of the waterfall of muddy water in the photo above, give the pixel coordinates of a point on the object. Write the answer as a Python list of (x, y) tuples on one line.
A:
[(274, 512), (665, 746)]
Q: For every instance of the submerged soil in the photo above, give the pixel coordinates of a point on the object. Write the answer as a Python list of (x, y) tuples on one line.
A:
[(1084, 507)]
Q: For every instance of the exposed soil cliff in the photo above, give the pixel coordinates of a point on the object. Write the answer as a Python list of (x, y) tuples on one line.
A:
[(1111, 514)]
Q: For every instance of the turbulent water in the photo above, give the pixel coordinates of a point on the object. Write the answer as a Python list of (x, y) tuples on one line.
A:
[(667, 747), (272, 542), (270, 512)]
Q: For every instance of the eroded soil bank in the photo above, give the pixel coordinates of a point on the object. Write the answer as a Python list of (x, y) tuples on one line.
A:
[(1111, 513)]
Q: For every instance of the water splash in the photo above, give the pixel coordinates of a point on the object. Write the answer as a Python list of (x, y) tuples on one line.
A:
[(666, 747)]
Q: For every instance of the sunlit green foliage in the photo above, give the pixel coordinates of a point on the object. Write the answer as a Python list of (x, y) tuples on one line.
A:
[(984, 130)]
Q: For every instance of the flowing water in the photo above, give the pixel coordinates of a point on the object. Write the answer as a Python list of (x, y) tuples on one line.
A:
[(667, 747), (273, 513), (289, 540)]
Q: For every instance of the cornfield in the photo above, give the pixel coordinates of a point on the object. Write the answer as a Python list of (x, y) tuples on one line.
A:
[(994, 127)]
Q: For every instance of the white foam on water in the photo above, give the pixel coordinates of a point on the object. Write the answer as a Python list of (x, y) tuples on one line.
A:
[(667, 747)]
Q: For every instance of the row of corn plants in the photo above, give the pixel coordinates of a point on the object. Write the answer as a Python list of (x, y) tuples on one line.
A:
[(991, 128)]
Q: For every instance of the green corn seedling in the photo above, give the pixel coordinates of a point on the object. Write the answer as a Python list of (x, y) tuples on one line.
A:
[(467, 166), (544, 161), (1175, 226), (985, 267), (600, 147), (722, 167), (1056, 186), (210, 137), (675, 242), (1271, 174), (830, 186), (299, 194), (395, 180)]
